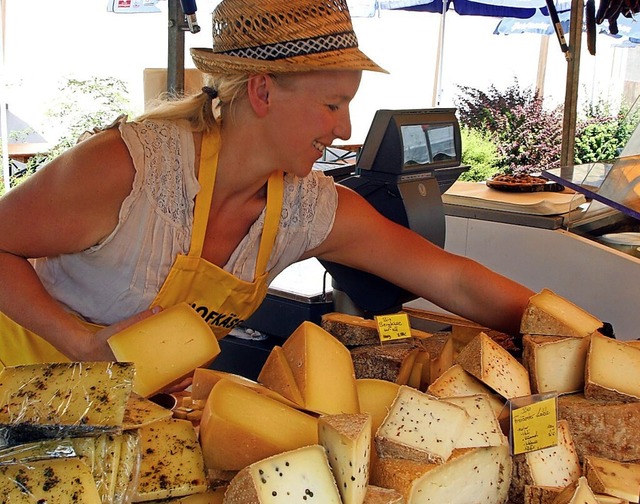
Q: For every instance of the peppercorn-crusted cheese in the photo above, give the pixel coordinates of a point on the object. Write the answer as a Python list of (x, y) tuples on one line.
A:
[(56, 400), (301, 475), (482, 428)]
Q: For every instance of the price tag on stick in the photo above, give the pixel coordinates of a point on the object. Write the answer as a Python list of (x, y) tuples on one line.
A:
[(534, 425)]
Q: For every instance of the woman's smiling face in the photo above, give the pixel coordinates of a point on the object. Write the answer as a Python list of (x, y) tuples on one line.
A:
[(308, 112)]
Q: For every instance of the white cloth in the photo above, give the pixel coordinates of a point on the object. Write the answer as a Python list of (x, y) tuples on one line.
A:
[(122, 275)]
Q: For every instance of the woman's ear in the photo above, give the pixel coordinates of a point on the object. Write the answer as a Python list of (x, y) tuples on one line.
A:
[(258, 88)]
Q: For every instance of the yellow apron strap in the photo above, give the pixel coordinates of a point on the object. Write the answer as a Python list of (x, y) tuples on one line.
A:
[(275, 191), (206, 177)]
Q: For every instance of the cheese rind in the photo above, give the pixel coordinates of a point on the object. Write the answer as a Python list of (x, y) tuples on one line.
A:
[(612, 370), (478, 475), (323, 370), (613, 478), (239, 426), (171, 463), (55, 400), (347, 441), (555, 363), (165, 347), (547, 313), (301, 475), (495, 367), (420, 427)]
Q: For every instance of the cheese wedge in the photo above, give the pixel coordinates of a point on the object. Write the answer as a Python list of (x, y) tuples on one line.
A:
[(577, 492), (482, 427), (239, 426), (557, 465), (479, 475), (171, 462), (393, 361), (301, 475), (54, 481), (555, 363), (612, 370), (613, 478), (420, 427), (141, 411), (39, 401), (439, 347), (455, 382), (347, 441), (276, 374), (165, 347), (550, 314), (323, 370), (495, 367)]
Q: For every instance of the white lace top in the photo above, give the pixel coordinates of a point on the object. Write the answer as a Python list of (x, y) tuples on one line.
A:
[(121, 275)]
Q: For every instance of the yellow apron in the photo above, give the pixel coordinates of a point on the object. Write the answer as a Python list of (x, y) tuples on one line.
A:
[(222, 299)]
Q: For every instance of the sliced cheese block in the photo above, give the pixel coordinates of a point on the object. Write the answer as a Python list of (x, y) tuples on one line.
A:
[(420, 367), (204, 379), (323, 370), (482, 427), (301, 475), (555, 363), (53, 481), (276, 374), (105, 464), (392, 361), (602, 428), (478, 475), (141, 411), (171, 462), (550, 314), (455, 382), (577, 492), (495, 367), (557, 465), (128, 467), (240, 426), (613, 478), (62, 399), (612, 370), (347, 441), (537, 494), (420, 427), (165, 347), (379, 495)]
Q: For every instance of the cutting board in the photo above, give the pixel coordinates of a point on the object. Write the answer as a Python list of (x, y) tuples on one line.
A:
[(478, 195)]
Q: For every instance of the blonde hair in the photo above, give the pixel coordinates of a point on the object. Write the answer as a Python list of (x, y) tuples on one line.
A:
[(200, 109)]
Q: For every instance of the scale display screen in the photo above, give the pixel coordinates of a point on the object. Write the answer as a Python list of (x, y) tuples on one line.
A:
[(423, 144)]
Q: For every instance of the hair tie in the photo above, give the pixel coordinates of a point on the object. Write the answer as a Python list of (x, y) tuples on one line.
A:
[(210, 92)]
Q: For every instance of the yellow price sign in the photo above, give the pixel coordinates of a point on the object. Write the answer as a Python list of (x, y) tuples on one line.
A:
[(393, 327), (534, 426)]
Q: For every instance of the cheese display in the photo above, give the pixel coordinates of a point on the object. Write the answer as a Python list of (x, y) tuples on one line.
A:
[(276, 375), (420, 427), (141, 411), (165, 347), (392, 361), (602, 428), (323, 370), (239, 426), (612, 370), (455, 381), (171, 463), (495, 367), (62, 399), (301, 475), (347, 441), (555, 363), (482, 427), (614, 478), (54, 481), (578, 492), (555, 466), (478, 475), (550, 314)]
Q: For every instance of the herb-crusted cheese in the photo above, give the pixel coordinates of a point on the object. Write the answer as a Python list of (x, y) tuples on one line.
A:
[(55, 400)]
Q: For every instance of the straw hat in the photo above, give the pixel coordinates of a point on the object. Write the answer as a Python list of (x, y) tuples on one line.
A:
[(280, 36)]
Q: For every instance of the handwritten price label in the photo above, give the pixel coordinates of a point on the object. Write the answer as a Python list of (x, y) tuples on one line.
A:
[(393, 327), (534, 426)]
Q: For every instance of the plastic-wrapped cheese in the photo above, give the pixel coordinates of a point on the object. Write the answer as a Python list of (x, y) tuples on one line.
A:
[(165, 347)]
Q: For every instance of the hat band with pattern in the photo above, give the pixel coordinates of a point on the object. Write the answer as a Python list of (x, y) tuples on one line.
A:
[(292, 48)]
